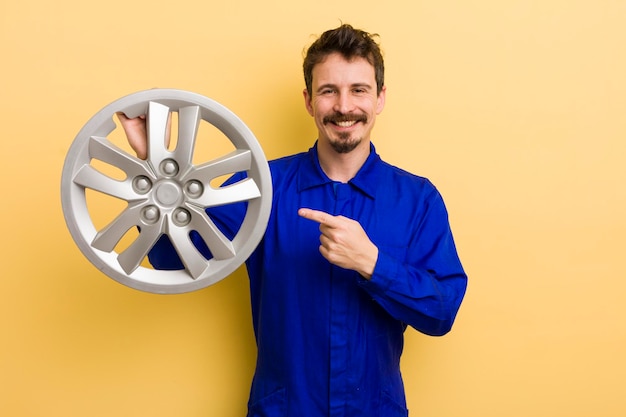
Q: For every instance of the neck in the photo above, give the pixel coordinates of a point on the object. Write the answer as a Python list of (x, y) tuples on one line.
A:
[(342, 167)]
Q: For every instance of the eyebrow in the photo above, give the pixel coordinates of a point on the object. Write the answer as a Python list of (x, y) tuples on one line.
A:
[(334, 86)]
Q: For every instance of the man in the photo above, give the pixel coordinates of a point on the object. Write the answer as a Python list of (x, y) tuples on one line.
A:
[(355, 250)]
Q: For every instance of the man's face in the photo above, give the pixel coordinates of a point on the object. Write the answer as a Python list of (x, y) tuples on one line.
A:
[(344, 101)]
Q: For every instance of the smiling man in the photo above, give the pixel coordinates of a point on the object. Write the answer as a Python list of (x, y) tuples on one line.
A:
[(344, 101), (355, 251)]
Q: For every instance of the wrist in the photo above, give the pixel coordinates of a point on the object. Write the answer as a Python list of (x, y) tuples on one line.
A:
[(369, 264)]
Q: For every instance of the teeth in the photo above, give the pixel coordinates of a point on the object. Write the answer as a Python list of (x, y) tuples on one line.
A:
[(346, 124)]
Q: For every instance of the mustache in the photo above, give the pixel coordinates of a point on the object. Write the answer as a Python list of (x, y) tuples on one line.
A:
[(340, 117)]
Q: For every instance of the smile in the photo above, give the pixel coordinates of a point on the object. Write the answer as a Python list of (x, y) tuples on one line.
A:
[(348, 123)]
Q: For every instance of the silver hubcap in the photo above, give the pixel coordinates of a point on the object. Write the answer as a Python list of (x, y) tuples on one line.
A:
[(167, 193)]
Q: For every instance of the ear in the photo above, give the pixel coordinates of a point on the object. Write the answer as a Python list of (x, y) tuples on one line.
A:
[(307, 101), (380, 100)]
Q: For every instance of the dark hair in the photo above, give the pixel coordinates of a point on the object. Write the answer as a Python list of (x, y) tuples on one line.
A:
[(350, 43)]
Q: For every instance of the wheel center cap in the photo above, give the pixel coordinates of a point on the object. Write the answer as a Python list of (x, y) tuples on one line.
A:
[(167, 193)]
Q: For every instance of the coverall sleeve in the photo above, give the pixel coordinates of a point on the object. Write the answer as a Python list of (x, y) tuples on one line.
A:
[(425, 289)]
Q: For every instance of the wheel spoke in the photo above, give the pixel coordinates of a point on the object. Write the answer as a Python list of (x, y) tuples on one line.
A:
[(108, 237), (188, 122), (243, 190), (220, 246), (157, 130), (236, 161), (89, 177), (193, 260), (103, 150), (131, 257)]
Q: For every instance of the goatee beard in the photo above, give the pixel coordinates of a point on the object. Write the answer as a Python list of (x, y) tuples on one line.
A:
[(344, 144)]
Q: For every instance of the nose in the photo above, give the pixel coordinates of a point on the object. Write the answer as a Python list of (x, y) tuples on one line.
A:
[(343, 103)]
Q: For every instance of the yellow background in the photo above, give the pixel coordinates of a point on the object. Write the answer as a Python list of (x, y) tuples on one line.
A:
[(516, 110)]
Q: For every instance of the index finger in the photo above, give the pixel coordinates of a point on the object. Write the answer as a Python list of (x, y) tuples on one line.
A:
[(317, 216)]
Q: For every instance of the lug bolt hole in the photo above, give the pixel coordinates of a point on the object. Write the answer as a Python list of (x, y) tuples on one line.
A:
[(169, 167), (181, 217), (142, 184), (150, 214), (194, 188)]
